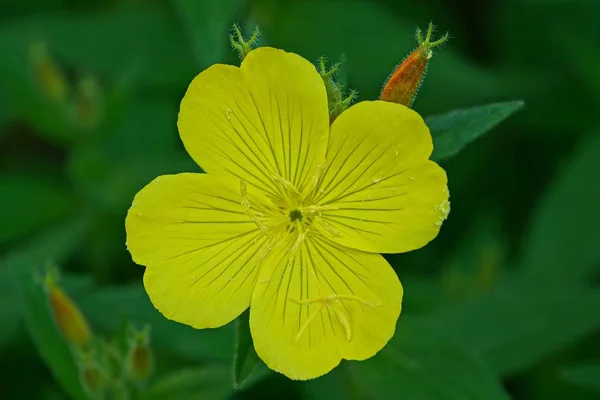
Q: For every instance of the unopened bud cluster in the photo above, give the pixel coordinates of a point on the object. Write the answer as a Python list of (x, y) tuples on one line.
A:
[(107, 370)]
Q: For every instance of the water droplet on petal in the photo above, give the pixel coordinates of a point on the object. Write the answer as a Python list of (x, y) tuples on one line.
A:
[(228, 113)]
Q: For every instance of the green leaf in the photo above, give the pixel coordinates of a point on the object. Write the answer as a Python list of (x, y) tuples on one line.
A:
[(585, 375), (108, 308), (10, 315), (45, 335), (520, 323), (245, 358), (562, 245), (454, 130), (420, 365), (209, 382), (29, 202), (207, 24)]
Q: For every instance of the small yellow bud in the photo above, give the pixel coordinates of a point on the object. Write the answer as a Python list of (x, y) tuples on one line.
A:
[(47, 73), (139, 362), (403, 84), (69, 319)]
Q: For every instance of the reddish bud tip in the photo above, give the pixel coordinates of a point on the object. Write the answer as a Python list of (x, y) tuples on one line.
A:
[(404, 82)]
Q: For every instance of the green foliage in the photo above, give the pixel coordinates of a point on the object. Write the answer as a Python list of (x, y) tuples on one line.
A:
[(562, 245), (245, 358), (585, 375), (416, 363), (189, 384), (205, 23), (422, 366), (519, 324), (30, 202), (454, 130)]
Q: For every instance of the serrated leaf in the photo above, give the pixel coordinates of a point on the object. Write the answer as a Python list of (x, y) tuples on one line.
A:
[(420, 365), (520, 323), (209, 382), (584, 375), (207, 24), (563, 245), (454, 130), (45, 335), (245, 358), (131, 303), (29, 202)]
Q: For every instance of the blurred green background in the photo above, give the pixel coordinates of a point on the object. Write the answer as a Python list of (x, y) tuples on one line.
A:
[(503, 304)]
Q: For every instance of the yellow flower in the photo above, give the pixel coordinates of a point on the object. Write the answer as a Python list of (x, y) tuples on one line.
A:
[(291, 214)]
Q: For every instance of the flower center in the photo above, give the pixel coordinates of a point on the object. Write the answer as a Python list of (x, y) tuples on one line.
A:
[(296, 215)]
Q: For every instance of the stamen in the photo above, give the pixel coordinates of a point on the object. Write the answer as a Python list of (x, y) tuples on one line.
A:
[(331, 301), (246, 207), (287, 184), (328, 228), (335, 298), (309, 321), (318, 209), (344, 322), (313, 183)]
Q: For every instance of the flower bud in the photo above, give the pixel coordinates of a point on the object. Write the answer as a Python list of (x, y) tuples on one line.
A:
[(139, 362), (47, 73), (69, 320), (92, 376), (403, 84)]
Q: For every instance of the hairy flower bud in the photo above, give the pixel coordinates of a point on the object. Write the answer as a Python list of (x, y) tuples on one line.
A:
[(404, 82)]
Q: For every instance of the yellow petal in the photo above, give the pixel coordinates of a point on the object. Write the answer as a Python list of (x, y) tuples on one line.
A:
[(266, 122), (199, 247), (322, 303), (380, 192)]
